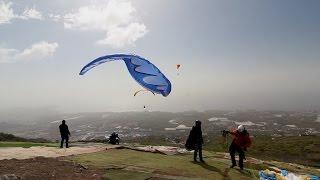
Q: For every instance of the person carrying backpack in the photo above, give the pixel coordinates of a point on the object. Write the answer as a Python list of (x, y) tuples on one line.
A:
[(195, 141)]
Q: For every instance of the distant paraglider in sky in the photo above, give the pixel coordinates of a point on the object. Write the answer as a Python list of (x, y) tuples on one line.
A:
[(142, 70), (177, 67)]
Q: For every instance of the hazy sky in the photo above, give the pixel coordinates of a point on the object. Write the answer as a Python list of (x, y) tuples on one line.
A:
[(233, 54)]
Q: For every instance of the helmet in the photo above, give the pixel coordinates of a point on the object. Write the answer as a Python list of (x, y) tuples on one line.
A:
[(240, 128)]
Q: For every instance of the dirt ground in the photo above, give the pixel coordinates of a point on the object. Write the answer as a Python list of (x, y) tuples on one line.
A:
[(48, 168), (26, 153)]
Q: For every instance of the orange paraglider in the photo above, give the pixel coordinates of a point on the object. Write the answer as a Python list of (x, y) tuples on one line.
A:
[(178, 66)]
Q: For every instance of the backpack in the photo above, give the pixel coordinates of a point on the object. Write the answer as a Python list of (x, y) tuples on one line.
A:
[(190, 141)]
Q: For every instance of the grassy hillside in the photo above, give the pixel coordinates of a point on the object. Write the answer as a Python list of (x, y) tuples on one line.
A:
[(128, 164), (297, 149), (10, 137), (26, 144), (9, 140), (303, 149)]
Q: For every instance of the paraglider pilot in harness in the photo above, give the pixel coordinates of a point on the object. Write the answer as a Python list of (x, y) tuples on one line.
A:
[(241, 141), (195, 141)]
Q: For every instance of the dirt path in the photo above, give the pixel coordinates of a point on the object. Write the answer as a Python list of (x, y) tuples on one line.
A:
[(48, 162), (48, 168), (26, 153)]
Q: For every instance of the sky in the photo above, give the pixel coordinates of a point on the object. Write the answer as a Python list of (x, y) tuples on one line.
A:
[(234, 54)]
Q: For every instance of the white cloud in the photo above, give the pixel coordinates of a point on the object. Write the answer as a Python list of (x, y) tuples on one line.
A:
[(94, 17), (116, 19), (55, 17), (6, 12), (7, 54), (121, 36), (31, 14), (37, 51)]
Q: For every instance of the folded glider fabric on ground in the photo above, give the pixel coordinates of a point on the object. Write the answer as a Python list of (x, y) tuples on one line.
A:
[(284, 175), (142, 70), (166, 150)]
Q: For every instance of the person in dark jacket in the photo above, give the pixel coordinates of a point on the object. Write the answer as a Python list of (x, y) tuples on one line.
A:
[(114, 138), (241, 141), (197, 140), (65, 133)]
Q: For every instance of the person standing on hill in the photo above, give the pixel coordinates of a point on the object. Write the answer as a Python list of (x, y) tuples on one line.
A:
[(65, 133), (195, 141), (241, 141)]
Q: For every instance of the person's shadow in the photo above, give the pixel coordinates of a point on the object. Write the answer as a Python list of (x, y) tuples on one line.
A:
[(225, 174), (245, 172)]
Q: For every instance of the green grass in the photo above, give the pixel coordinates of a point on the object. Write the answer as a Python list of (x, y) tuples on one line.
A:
[(125, 174), (303, 150), (25, 144), (121, 164)]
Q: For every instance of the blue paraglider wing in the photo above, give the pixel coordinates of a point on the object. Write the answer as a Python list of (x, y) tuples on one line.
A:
[(143, 71), (99, 61)]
